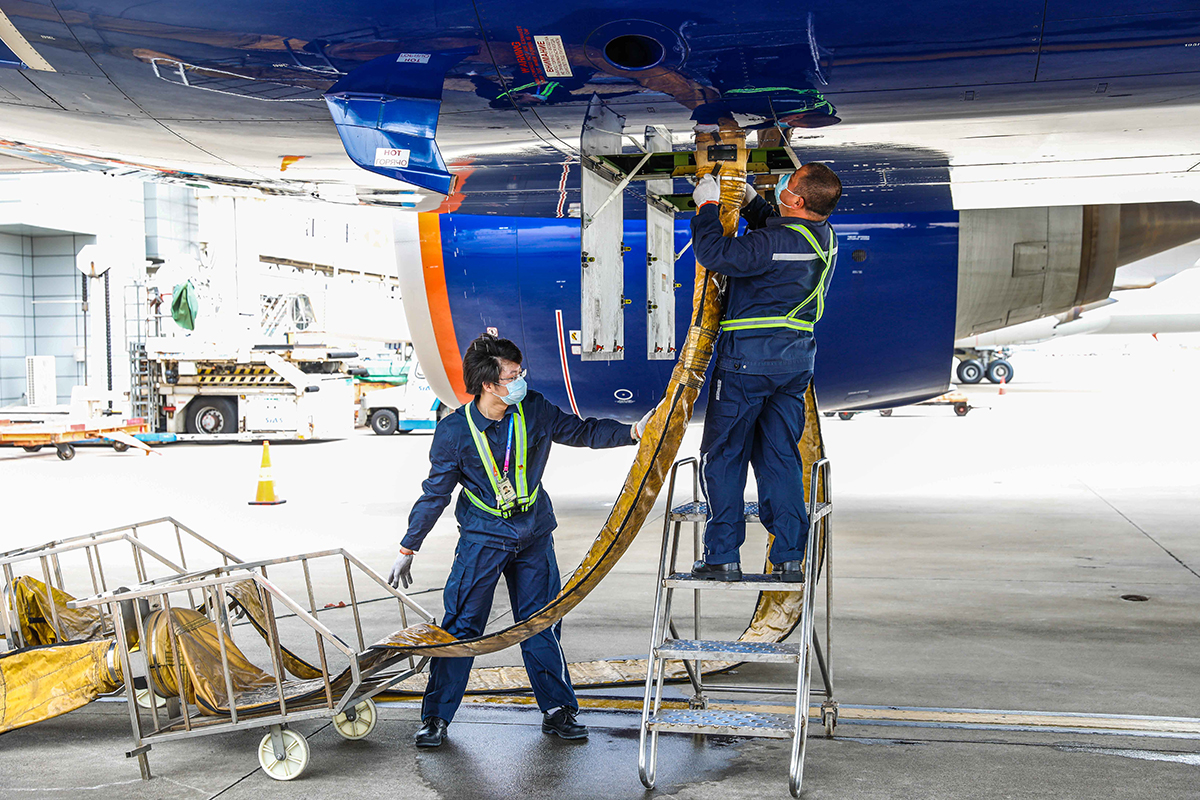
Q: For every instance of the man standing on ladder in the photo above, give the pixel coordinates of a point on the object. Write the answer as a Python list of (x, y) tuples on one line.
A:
[(779, 272), (496, 446)]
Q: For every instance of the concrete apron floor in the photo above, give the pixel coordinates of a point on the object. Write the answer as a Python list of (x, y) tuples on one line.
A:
[(980, 562)]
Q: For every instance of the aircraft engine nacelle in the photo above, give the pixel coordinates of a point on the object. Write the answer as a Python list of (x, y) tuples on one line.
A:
[(1022, 264)]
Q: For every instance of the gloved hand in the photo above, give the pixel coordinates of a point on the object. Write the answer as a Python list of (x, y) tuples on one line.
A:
[(639, 427), (401, 571), (707, 191), (748, 195)]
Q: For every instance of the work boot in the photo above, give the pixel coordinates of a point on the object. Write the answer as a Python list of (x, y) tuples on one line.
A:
[(717, 572), (432, 733), (790, 571), (562, 723)]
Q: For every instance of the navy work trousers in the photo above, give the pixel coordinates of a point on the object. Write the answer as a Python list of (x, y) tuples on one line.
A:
[(754, 419), (532, 578)]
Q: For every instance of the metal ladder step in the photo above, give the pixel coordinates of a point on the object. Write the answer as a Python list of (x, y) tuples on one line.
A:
[(748, 583), (722, 722), (698, 512), (709, 650)]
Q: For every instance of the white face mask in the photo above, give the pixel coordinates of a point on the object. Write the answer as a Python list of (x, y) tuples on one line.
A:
[(516, 391)]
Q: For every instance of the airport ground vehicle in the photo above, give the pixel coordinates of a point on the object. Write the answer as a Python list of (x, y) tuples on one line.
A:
[(404, 407), (281, 391)]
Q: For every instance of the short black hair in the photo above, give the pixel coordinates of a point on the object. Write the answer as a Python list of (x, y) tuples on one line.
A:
[(481, 364), (820, 187)]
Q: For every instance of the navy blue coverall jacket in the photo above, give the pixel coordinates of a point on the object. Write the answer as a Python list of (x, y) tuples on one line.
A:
[(755, 411), (521, 547)]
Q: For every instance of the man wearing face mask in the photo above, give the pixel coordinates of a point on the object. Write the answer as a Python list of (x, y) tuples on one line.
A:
[(496, 447), (779, 271)]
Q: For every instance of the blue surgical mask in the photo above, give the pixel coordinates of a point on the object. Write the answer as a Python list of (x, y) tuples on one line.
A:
[(516, 391), (783, 181)]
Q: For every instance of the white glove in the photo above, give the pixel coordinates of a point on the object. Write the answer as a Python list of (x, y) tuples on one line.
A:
[(707, 191), (748, 195), (639, 427), (401, 571)]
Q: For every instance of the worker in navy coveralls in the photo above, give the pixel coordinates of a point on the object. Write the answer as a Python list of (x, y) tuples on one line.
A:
[(779, 271), (496, 447)]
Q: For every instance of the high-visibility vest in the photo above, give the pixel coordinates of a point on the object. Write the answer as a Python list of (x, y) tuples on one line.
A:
[(525, 499), (790, 320)]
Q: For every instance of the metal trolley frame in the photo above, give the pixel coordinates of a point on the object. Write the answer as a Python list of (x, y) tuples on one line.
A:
[(283, 753), (49, 563)]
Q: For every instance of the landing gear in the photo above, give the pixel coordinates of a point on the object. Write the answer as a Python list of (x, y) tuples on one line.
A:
[(1000, 371), (970, 371), (974, 364)]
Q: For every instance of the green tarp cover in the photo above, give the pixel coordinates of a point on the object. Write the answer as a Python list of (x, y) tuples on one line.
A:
[(183, 306)]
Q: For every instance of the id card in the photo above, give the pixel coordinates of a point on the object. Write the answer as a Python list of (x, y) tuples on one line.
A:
[(506, 492)]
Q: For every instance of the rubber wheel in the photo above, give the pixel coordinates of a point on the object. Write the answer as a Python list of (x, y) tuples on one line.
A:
[(961, 409), (32, 448), (363, 723), (829, 719), (384, 422), (970, 371), (845, 415), (211, 415), (66, 452), (829, 413), (293, 765), (1000, 371), (887, 412), (120, 447)]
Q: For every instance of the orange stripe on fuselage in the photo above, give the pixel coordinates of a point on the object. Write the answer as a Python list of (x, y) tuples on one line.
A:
[(433, 270)]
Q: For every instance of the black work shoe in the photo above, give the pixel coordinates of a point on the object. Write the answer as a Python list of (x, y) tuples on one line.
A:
[(790, 571), (562, 723), (432, 733), (717, 572)]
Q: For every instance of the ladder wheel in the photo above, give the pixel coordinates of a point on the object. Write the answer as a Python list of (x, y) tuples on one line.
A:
[(366, 715), (293, 764), (829, 719)]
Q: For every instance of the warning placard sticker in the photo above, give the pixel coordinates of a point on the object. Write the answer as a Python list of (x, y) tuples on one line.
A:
[(413, 58), (391, 157), (553, 56)]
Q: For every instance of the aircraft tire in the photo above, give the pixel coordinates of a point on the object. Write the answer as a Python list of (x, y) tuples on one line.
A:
[(998, 371), (970, 371)]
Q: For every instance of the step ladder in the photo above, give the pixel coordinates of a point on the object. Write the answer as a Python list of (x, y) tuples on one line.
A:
[(666, 644)]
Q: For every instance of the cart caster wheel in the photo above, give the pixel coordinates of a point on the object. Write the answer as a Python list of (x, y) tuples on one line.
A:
[(845, 415), (120, 447), (365, 717), (829, 720), (66, 452), (294, 762), (32, 448), (961, 409), (142, 696), (887, 412)]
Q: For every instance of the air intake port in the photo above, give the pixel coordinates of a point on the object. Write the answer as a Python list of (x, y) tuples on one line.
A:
[(633, 51)]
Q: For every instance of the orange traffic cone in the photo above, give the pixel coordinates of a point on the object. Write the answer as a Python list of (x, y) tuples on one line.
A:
[(266, 482), (1003, 381)]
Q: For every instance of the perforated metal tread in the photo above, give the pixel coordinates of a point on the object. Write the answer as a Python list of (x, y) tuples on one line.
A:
[(708, 650), (730, 723), (748, 583), (698, 512)]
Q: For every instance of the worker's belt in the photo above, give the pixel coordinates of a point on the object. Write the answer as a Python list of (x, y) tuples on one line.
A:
[(791, 320), (525, 499)]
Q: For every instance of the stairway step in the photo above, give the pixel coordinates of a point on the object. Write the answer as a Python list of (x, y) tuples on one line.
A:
[(709, 650), (698, 512), (748, 583), (727, 722)]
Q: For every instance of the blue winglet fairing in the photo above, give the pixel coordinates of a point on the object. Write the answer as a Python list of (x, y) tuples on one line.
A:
[(386, 113)]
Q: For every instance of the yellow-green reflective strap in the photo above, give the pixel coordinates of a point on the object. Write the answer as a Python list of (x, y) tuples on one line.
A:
[(790, 321), (525, 500)]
